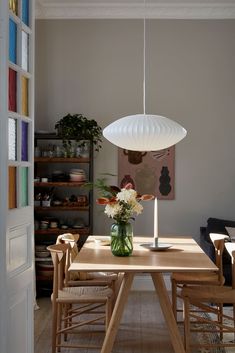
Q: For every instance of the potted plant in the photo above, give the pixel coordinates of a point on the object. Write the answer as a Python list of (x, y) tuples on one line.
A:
[(77, 127)]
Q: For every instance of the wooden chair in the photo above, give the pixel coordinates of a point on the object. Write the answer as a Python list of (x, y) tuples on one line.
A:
[(72, 303), (178, 279), (75, 278), (210, 299)]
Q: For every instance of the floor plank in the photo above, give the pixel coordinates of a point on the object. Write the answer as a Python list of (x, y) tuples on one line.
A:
[(142, 328)]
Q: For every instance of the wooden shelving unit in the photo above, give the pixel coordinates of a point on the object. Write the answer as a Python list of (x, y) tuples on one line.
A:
[(44, 167)]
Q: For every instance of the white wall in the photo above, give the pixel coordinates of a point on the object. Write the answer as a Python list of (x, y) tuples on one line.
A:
[(95, 67)]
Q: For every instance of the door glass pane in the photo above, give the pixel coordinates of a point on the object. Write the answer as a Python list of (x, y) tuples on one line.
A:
[(24, 186), (12, 101), (12, 187), (24, 141), (24, 98), (12, 139), (12, 41), (25, 11), (25, 50), (13, 6)]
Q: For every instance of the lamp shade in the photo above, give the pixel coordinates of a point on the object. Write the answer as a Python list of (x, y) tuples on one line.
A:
[(143, 132)]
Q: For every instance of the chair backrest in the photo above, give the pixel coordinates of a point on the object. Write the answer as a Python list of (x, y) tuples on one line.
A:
[(71, 240), (58, 255), (218, 242), (231, 250)]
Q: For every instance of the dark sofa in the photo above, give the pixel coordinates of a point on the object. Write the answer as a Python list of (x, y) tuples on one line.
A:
[(216, 225)]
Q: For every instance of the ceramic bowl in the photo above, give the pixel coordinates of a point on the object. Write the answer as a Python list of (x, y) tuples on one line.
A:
[(57, 203), (64, 226), (77, 177)]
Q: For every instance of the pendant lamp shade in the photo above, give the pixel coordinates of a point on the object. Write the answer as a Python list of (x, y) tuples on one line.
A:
[(143, 132)]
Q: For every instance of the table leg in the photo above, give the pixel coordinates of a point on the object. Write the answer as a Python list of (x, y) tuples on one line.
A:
[(117, 312), (167, 312)]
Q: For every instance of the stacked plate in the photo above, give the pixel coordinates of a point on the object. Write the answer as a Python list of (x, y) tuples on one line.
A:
[(77, 175), (41, 251)]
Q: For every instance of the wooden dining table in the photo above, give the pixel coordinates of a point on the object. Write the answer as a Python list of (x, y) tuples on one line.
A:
[(183, 254)]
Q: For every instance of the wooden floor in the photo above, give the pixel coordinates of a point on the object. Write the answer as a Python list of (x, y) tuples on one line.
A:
[(142, 328)]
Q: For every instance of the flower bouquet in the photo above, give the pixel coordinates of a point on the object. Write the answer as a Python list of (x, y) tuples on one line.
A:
[(121, 205)]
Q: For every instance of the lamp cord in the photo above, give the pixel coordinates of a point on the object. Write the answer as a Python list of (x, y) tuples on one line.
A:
[(144, 55)]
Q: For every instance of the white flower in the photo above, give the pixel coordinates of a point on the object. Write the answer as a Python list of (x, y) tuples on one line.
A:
[(127, 195), (112, 210), (138, 208)]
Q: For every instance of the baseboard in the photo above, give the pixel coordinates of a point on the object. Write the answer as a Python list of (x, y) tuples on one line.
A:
[(143, 282)]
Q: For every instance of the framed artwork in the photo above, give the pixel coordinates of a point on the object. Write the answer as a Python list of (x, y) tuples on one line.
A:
[(149, 172)]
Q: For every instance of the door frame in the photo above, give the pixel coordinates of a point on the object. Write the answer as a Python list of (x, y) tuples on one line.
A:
[(11, 285)]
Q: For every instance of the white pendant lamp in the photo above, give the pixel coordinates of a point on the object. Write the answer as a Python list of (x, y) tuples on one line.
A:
[(144, 132)]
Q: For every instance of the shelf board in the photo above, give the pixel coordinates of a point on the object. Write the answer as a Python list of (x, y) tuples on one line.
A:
[(46, 135), (52, 135), (60, 183), (48, 278), (61, 208), (57, 231), (43, 259), (61, 160)]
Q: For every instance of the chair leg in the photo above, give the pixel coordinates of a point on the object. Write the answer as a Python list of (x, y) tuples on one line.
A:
[(187, 337), (108, 311), (174, 298), (54, 326), (66, 310), (234, 321), (60, 310), (220, 318)]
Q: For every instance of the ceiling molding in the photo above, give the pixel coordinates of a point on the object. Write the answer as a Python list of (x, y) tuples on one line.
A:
[(182, 10)]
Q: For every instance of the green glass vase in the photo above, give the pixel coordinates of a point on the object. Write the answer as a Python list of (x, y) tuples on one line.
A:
[(121, 239)]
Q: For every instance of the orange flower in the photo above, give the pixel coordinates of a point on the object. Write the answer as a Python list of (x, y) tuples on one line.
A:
[(102, 201), (145, 197), (106, 200)]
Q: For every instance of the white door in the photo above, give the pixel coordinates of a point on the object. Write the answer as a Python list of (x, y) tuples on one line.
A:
[(16, 176)]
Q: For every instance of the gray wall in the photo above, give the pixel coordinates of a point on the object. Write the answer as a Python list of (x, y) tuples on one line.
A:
[(95, 67)]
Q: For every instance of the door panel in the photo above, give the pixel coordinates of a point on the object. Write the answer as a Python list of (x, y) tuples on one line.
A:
[(19, 320), (16, 179), (18, 258)]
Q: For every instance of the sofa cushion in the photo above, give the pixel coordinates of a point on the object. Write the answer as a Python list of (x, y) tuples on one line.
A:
[(216, 225), (231, 232)]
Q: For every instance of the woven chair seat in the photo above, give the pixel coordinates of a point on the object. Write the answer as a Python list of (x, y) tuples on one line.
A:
[(195, 277), (215, 294), (85, 292)]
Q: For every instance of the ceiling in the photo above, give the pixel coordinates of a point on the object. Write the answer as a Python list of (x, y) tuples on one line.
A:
[(172, 9)]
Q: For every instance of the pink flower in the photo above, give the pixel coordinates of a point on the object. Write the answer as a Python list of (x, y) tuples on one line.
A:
[(128, 186)]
